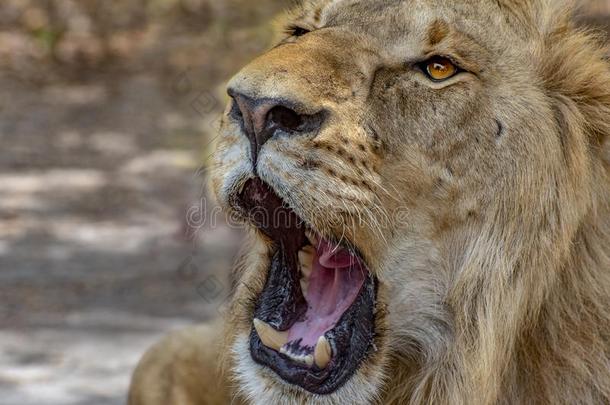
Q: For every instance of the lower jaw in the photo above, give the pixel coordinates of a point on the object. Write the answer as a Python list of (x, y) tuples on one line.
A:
[(353, 334)]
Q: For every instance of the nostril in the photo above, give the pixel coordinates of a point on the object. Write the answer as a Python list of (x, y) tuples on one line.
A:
[(236, 111), (261, 118), (284, 118)]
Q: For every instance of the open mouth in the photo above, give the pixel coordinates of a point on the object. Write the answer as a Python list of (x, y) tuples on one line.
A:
[(314, 321)]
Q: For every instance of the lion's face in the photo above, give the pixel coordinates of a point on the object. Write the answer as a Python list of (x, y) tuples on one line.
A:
[(369, 150)]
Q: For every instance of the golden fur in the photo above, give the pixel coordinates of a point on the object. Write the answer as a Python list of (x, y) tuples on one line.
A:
[(482, 204), (181, 370)]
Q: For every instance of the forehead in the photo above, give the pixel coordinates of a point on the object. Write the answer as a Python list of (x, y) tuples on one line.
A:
[(362, 11), (395, 20)]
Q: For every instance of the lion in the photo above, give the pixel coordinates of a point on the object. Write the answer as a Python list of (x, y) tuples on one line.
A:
[(426, 185)]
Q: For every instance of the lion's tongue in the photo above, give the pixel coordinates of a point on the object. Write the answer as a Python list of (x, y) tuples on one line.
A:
[(336, 279)]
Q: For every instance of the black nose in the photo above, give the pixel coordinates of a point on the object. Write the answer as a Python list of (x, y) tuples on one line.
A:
[(262, 118)]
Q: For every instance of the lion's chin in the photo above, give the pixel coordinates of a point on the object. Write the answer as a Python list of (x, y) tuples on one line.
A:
[(258, 384), (314, 321)]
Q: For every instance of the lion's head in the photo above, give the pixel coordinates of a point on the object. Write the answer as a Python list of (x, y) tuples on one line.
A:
[(427, 190)]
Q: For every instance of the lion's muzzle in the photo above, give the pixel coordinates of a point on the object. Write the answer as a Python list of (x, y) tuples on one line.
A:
[(314, 320)]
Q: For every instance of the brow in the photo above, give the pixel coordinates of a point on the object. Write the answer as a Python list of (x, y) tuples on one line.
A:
[(445, 37), (438, 31)]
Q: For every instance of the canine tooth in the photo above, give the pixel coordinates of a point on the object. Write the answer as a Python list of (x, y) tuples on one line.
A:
[(307, 253), (304, 286), (308, 249), (306, 270), (322, 353), (312, 238), (306, 260), (270, 337)]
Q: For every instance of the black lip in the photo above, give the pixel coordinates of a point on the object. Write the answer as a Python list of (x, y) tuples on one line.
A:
[(281, 303)]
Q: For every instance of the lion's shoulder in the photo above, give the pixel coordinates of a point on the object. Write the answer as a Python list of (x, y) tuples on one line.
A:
[(182, 369)]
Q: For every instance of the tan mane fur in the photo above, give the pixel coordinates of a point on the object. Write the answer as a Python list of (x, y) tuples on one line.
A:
[(551, 345)]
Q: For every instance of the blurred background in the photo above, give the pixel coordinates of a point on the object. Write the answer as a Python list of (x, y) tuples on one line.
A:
[(107, 239)]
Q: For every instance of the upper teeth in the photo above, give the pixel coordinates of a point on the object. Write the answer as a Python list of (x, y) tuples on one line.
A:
[(306, 260), (305, 257), (311, 236), (304, 286)]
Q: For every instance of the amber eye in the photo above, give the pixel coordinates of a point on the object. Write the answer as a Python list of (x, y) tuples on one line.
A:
[(439, 68)]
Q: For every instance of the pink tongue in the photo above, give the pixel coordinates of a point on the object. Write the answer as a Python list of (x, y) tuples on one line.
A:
[(336, 279)]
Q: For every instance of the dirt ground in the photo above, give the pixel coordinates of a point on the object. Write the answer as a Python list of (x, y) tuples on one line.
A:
[(107, 238), (106, 115)]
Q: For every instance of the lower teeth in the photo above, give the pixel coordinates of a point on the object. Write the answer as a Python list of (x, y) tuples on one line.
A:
[(308, 359), (322, 353), (278, 341)]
